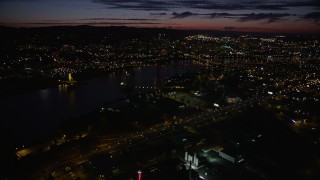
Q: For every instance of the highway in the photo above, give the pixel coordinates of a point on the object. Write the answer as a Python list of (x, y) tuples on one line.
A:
[(115, 144)]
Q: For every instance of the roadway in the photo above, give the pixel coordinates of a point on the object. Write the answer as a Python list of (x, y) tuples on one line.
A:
[(113, 145)]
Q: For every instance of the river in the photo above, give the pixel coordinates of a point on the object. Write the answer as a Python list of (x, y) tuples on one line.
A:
[(30, 117)]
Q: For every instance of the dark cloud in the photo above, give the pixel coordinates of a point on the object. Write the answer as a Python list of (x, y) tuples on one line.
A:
[(120, 23), (182, 15), (136, 4), (285, 5), (312, 3), (158, 14), (273, 7), (120, 19), (268, 17), (209, 4), (91, 23), (211, 15), (314, 16), (222, 15)]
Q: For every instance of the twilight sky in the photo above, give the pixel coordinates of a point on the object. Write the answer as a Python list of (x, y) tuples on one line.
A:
[(239, 15)]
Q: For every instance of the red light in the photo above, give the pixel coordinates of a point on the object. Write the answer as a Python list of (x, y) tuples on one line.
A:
[(139, 175)]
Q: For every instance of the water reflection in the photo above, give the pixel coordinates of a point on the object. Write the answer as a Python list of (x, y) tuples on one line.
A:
[(72, 98), (44, 93)]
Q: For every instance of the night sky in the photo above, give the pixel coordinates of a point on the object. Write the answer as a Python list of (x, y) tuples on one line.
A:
[(237, 15)]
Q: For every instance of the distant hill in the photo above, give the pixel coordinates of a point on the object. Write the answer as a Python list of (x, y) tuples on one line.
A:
[(121, 31)]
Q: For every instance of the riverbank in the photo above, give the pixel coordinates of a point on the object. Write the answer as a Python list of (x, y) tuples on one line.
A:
[(15, 86)]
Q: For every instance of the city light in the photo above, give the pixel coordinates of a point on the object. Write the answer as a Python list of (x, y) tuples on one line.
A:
[(100, 102)]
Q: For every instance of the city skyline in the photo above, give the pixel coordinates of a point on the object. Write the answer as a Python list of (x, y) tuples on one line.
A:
[(297, 16)]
